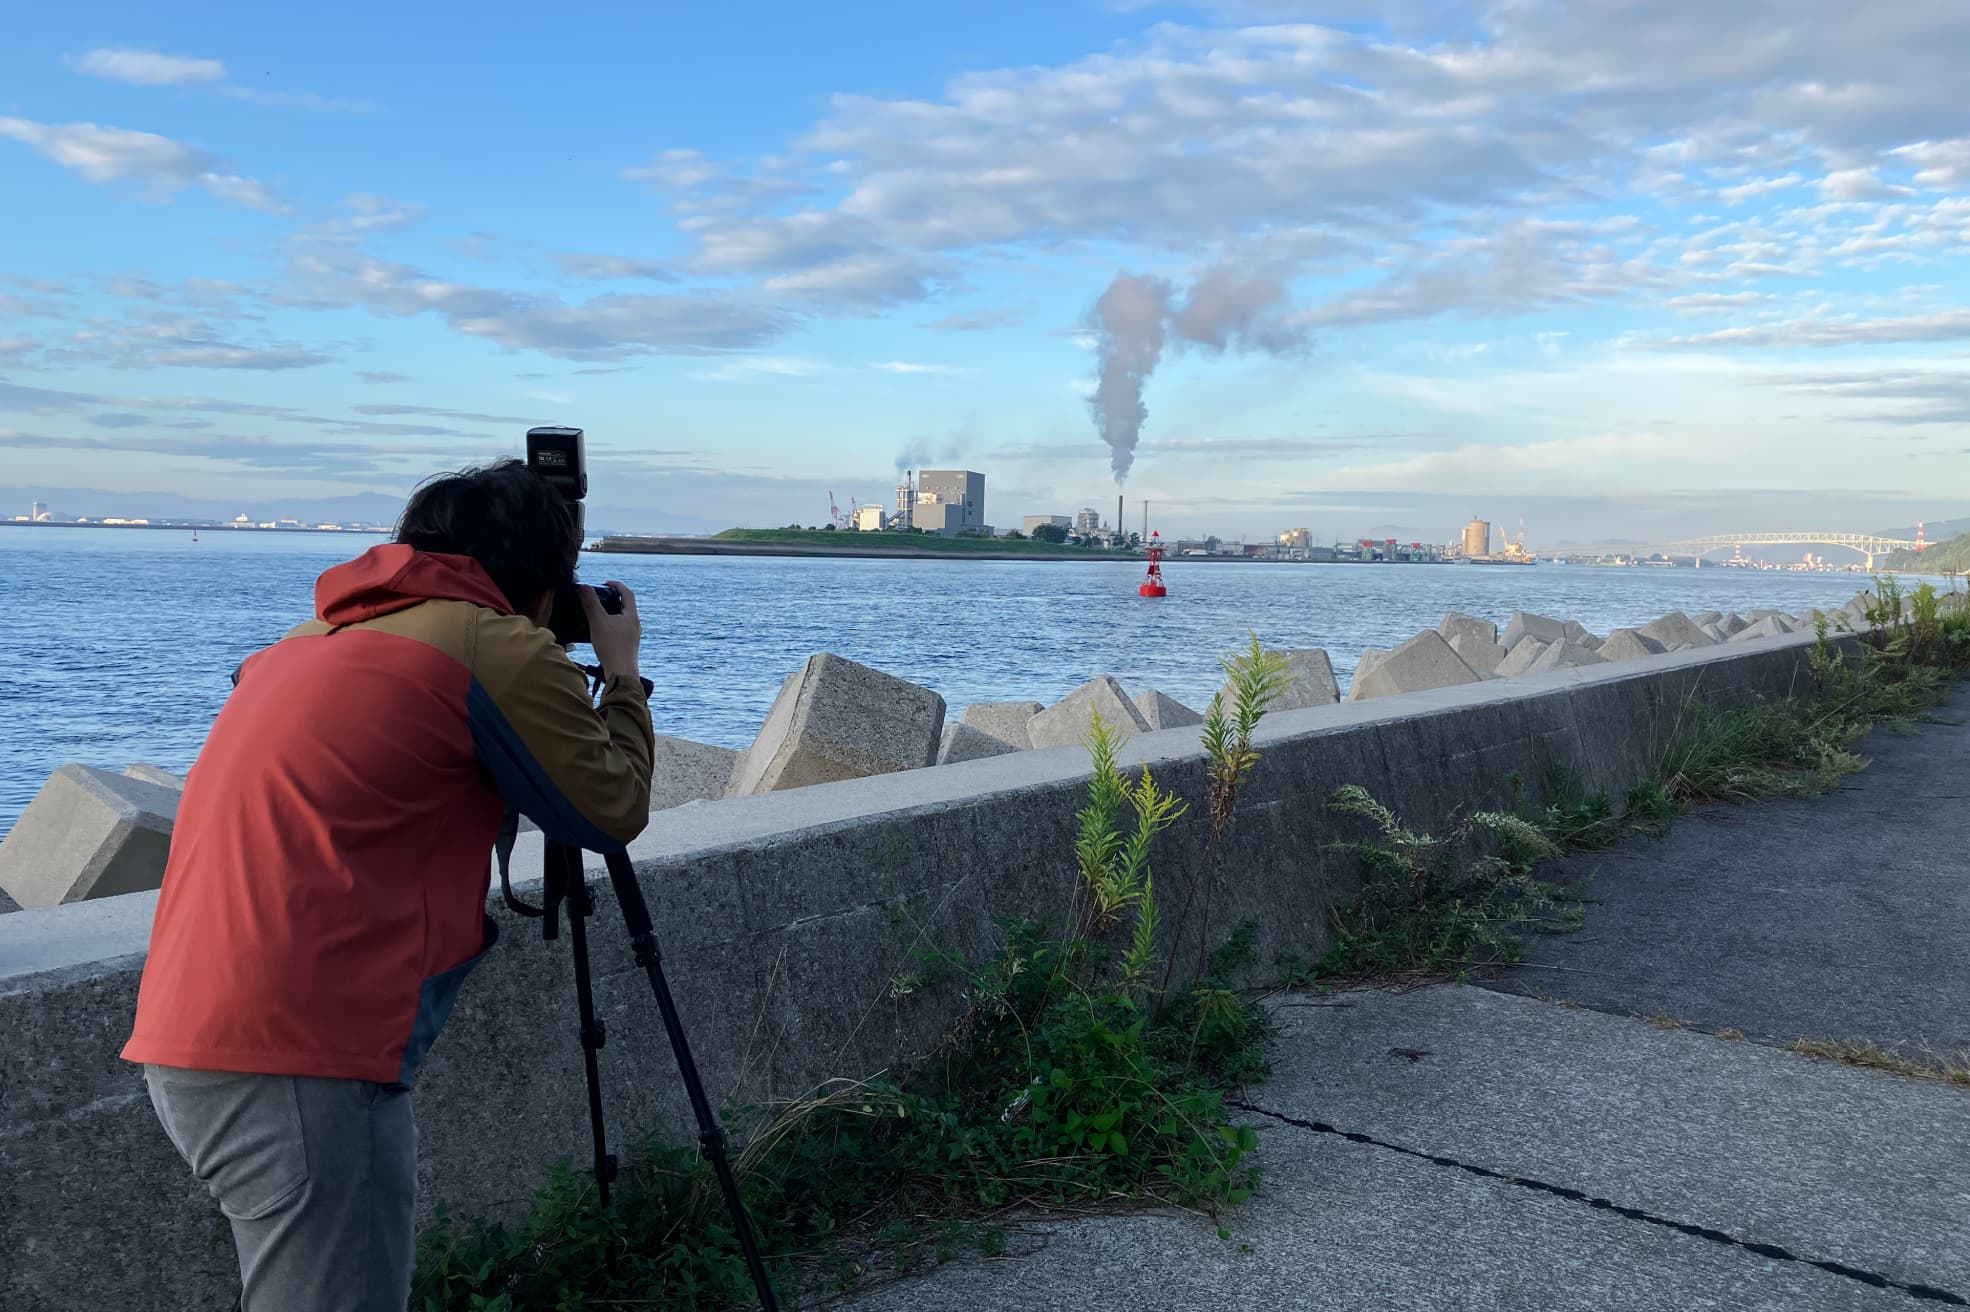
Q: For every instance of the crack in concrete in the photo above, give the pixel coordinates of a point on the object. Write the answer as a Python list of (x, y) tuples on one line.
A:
[(1874, 1279)]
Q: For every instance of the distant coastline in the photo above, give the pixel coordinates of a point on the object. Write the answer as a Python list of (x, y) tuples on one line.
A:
[(196, 528), (897, 548)]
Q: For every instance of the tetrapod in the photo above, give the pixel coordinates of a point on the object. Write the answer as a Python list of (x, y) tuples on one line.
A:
[(565, 884)]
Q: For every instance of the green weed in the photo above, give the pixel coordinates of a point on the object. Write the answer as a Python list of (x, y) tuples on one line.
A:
[(1438, 904)]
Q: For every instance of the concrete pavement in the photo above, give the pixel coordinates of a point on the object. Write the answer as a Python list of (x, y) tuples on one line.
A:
[(1837, 917)]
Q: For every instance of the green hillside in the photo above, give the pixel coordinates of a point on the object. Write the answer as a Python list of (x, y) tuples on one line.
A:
[(849, 542), (1951, 557)]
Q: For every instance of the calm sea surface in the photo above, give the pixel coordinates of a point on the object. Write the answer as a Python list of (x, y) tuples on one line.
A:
[(116, 644)]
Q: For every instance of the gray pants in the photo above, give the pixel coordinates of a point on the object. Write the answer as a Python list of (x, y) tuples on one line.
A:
[(318, 1178)]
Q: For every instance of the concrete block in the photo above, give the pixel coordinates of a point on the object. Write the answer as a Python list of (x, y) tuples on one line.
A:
[(1707, 617), (1455, 624), (7, 903), (964, 743), (1371, 658), (1772, 626), (1425, 661), (1525, 625), (1309, 681), (683, 771), (1629, 645), (1733, 624), (1482, 654), (1677, 628), (1789, 624), (87, 834), (1565, 656), (1067, 721), (1714, 632), (153, 774), (1754, 616), (1164, 712), (1009, 722), (1520, 658), (835, 719)]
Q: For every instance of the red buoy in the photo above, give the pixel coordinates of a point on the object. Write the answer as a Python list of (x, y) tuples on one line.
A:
[(1152, 584)]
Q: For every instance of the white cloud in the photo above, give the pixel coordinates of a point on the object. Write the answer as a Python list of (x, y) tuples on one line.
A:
[(1744, 191), (1939, 164), (744, 368), (379, 213), (912, 367), (303, 100), (1859, 184), (158, 164), (606, 268), (148, 68), (601, 328), (1717, 302), (1944, 326)]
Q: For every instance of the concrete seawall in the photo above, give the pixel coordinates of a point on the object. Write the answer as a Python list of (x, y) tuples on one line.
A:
[(786, 919)]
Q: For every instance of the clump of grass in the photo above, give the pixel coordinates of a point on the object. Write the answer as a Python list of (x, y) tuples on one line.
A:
[(1432, 905), (1572, 817), (1947, 1068), (1761, 750)]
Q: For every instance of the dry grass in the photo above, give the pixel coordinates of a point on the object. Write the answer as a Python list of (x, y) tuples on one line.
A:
[(1945, 1068)]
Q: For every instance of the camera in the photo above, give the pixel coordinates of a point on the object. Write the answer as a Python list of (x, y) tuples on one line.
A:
[(557, 455)]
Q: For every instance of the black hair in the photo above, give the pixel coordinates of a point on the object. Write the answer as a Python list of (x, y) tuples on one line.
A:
[(504, 516)]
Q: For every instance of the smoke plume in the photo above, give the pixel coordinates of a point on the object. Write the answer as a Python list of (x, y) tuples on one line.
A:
[(1222, 311), (920, 452)]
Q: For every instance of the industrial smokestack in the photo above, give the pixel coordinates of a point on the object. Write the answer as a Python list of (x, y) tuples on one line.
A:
[(1118, 517)]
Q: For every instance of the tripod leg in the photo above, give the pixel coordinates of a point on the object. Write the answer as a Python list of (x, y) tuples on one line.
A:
[(643, 938), (594, 1035)]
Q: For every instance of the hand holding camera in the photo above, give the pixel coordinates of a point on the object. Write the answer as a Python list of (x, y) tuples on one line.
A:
[(615, 632)]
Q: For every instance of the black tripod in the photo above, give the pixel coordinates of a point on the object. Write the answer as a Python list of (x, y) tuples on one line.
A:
[(565, 884)]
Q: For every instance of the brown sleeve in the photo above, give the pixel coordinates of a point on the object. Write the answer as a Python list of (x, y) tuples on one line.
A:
[(580, 772)]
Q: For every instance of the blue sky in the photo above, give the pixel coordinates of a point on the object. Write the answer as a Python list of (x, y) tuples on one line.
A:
[(1624, 268)]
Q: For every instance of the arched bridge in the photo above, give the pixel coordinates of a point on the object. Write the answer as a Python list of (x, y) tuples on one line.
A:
[(1868, 545)]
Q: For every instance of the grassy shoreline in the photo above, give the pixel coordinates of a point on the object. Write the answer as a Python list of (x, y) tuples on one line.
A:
[(876, 546)]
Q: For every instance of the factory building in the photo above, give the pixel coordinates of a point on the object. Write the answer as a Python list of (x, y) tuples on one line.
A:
[(961, 489)]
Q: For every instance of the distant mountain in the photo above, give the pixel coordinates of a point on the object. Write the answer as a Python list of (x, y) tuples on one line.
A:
[(360, 507), (1935, 530), (75, 502)]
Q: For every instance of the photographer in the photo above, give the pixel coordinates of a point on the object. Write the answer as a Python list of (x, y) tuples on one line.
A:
[(325, 894)]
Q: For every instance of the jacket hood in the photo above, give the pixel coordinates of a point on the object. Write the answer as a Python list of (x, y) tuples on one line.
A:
[(393, 577)]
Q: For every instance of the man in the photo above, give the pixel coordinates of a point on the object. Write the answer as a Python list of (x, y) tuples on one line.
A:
[(326, 889)]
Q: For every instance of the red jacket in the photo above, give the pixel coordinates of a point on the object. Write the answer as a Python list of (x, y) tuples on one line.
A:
[(326, 888)]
